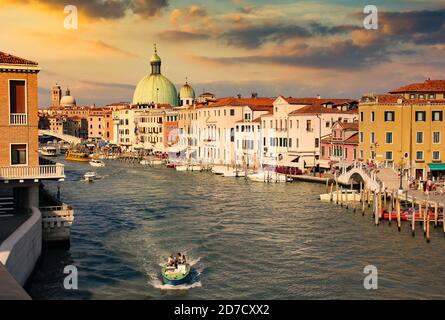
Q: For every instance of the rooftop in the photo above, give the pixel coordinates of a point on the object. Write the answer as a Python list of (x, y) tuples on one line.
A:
[(318, 109), (6, 58), (240, 102), (427, 86)]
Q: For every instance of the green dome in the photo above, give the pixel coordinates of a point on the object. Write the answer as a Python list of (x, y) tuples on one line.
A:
[(187, 92), (155, 88)]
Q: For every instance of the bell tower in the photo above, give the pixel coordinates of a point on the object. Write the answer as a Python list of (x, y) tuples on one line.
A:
[(56, 95)]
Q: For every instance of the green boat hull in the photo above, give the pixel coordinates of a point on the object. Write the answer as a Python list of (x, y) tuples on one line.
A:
[(175, 278)]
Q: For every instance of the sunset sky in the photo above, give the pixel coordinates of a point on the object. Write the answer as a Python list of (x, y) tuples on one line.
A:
[(293, 48)]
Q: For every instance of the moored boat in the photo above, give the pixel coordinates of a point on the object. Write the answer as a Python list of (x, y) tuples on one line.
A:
[(268, 176), (348, 195), (181, 167), (175, 276)]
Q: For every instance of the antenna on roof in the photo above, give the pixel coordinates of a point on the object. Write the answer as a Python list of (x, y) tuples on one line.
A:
[(156, 49)]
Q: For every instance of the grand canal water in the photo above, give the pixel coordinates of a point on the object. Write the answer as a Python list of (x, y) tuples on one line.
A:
[(245, 240)]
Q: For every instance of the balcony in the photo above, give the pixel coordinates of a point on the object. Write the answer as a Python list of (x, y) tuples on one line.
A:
[(55, 171), (20, 119)]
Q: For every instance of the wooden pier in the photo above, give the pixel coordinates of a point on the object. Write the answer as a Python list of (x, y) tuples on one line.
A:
[(421, 211)]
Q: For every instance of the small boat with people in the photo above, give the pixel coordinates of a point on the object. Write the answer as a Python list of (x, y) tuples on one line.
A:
[(176, 271), (97, 163), (90, 176)]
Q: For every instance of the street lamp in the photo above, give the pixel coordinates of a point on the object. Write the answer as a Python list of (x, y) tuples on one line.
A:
[(401, 174)]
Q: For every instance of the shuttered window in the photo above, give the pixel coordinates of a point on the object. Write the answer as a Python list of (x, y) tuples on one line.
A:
[(17, 96)]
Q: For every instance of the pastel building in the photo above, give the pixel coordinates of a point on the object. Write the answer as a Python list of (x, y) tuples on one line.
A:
[(292, 133), (340, 148), (405, 127)]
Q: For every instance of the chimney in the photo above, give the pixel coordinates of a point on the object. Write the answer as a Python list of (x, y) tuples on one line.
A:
[(254, 95), (239, 95), (318, 97)]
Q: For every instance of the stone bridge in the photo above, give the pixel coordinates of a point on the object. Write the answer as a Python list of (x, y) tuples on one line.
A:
[(357, 174), (384, 176), (70, 139)]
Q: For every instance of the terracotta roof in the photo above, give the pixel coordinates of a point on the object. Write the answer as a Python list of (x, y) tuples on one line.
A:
[(349, 125), (317, 101), (389, 98), (352, 139), (236, 102), (427, 86), (6, 58), (317, 109)]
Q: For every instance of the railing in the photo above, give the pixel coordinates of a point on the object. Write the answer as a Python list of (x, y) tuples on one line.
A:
[(56, 222), (18, 119), (56, 171)]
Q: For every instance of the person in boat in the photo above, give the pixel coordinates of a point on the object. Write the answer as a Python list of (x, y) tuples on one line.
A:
[(184, 259), (179, 258), (170, 261)]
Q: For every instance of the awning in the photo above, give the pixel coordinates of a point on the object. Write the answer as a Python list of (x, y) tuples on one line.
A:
[(437, 166)]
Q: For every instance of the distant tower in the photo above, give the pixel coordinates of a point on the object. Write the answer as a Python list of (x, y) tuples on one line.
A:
[(56, 95)]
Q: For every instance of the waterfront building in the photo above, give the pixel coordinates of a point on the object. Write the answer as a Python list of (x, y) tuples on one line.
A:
[(100, 124), (187, 130), (405, 127), (249, 144), (292, 133), (21, 170), (340, 148), (125, 126), (151, 128), (216, 122)]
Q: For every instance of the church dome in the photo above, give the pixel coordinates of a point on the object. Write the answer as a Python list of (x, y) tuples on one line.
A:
[(68, 100), (155, 88), (187, 92)]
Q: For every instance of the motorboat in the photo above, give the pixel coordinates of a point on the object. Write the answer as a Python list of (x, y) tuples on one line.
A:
[(90, 176), (48, 151), (97, 163), (175, 276)]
